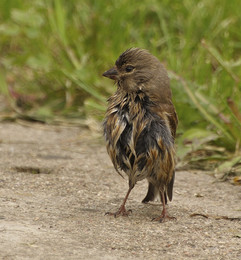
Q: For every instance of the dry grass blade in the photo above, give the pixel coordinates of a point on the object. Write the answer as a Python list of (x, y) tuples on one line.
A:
[(234, 108), (215, 217)]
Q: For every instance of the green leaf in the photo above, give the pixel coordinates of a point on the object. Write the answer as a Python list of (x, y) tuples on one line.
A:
[(227, 166)]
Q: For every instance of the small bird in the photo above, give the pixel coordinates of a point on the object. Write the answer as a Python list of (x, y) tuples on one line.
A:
[(140, 126)]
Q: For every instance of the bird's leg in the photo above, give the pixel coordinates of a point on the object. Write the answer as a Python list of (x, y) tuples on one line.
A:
[(164, 215), (122, 210)]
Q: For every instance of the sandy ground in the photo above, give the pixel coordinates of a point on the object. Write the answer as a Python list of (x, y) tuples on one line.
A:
[(56, 183)]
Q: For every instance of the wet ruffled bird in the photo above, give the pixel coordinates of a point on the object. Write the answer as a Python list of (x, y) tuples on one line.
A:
[(140, 126)]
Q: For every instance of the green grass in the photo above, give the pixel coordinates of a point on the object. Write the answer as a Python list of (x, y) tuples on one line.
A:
[(53, 53)]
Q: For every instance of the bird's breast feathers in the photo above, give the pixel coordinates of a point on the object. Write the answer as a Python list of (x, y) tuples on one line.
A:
[(139, 137)]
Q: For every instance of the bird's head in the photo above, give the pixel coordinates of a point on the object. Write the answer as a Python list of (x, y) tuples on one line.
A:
[(138, 70)]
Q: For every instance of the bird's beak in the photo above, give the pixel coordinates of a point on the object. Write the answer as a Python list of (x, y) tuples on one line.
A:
[(111, 73)]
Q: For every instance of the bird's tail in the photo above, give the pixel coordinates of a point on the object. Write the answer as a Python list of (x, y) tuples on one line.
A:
[(153, 191), (170, 186), (152, 194)]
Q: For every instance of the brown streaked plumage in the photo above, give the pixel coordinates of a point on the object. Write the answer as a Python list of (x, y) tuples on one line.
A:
[(140, 125)]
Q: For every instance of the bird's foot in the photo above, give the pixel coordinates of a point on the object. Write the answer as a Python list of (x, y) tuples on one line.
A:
[(121, 212), (164, 217)]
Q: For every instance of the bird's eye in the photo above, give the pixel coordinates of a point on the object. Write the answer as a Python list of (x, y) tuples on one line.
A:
[(129, 68)]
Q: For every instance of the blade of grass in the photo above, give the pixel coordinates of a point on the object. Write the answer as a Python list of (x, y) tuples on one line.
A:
[(220, 60), (60, 20), (233, 107), (198, 105), (83, 86), (226, 120)]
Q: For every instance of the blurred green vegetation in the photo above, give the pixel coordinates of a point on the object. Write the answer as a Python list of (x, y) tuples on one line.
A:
[(53, 52)]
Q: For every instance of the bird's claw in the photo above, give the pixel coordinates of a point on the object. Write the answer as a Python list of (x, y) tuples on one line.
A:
[(121, 212), (163, 218)]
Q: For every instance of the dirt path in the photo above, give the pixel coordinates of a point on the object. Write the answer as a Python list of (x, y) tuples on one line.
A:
[(56, 184)]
